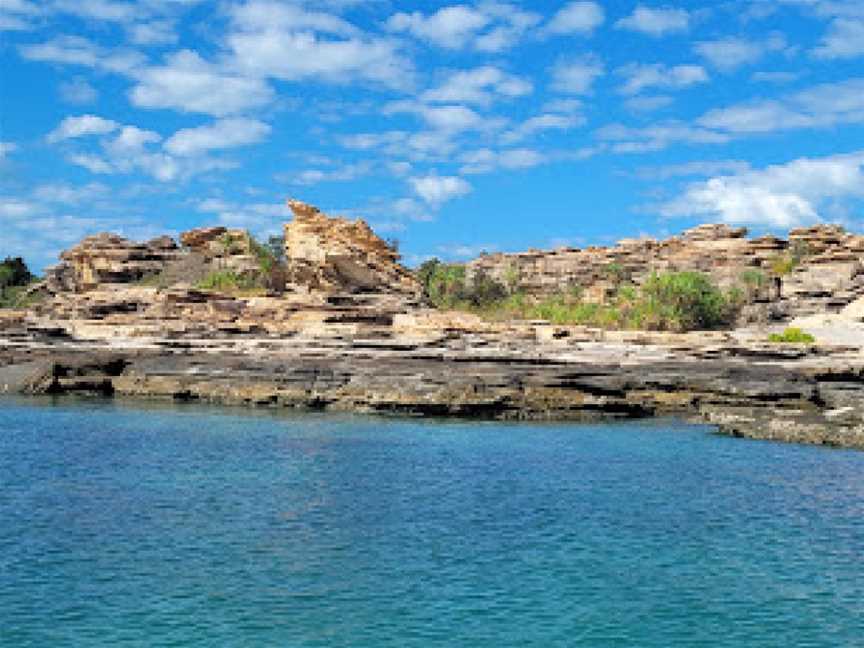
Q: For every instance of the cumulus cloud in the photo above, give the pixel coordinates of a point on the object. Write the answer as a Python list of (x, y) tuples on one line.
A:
[(222, 134), (72, 127), (730, 53), (450, 27), (75, 50), (287, 42), (344, 173), (656, 22), (656, 137), (576, 17), (486, 160), (576, 75), (78, 91), (783, 195), (481, 85), (821, 106), (487, 27), (647, 104), (845, 39), (541, 123), (640, 76), (437, 190), (188, 83)]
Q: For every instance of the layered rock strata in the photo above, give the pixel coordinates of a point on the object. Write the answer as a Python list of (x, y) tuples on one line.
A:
[(422, 365), (351, 333), (338, 255), (829, 274)]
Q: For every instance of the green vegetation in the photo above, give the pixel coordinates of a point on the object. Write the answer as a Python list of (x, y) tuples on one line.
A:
[(783, 264), (229, 281), (792, 336), (675, 301), (15, 278), (193, 268)]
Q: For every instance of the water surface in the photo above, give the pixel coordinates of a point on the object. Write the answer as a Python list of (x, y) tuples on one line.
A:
[(185, 526)]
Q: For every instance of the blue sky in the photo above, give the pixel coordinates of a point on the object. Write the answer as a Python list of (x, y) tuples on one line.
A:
[(453, 127)]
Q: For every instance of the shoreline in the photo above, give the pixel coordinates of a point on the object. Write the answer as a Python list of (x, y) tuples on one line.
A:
[(800, 395)]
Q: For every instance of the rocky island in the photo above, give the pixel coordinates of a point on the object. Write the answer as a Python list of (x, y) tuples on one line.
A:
[(332, 320)]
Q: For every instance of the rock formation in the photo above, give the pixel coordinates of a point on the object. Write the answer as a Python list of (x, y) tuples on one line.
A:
[(338, 255), (829, 275), (108, 259), (352, 333)]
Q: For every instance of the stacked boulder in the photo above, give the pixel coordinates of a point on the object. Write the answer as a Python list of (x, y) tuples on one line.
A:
[(338, 255)]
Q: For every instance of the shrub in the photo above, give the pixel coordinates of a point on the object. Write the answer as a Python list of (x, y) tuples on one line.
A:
[(15, 277), (228, 281), (679, 301), (792, 336), (683, 301), (14, 272)]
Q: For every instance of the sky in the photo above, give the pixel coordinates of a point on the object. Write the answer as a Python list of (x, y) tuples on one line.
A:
[(452, 127)]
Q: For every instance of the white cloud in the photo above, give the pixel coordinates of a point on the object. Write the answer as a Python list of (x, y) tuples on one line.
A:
[(845, 39), (488, 27), (451, 27), (657, 136), (345, 173), (730, 53), (486, 160), (648, 104), (105, 10), (67, 194), (222, 134), (541, 123), (784, 195), (82, 126), (5, 149), (821, 106), (75, 50), (451, 118), (640, 76), (17, 15), (189, 83), (576, 75), (78, 91), (479, 85), (656, 22), (153, 32), (290, 43), (436, 190), (773, 77), (576, 17), (697, 168)]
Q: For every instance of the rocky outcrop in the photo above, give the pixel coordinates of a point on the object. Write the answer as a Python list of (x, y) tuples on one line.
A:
[(829, 273), (352, 334), (338, 255), (419, 365), (108, 259)]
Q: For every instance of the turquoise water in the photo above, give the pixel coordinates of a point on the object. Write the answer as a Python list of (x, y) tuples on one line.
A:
[(162, 526)]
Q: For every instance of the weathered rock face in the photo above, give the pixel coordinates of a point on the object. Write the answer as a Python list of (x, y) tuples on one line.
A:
[(335, 254), (829, 276), (108, 259)]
